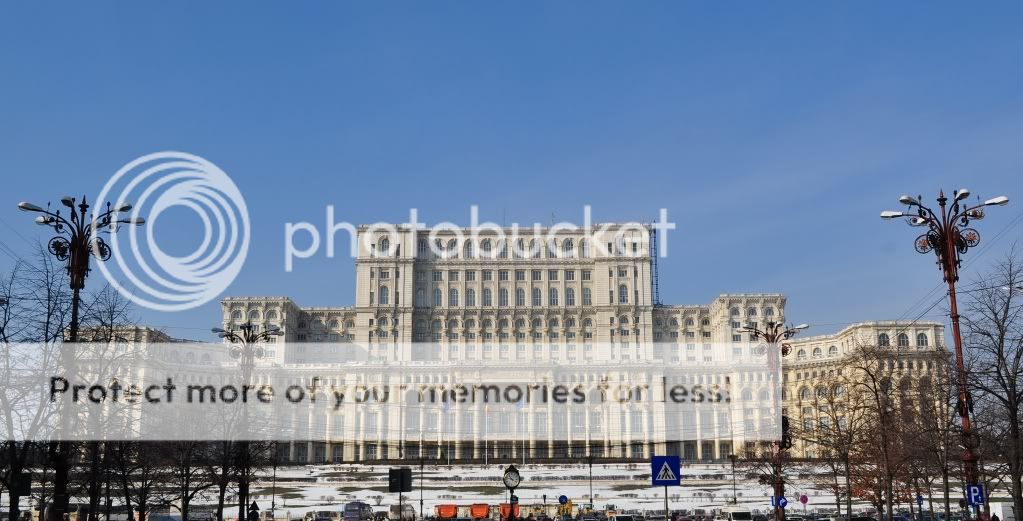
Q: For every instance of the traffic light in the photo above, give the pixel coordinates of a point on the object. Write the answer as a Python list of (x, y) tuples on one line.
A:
[(786, 436)]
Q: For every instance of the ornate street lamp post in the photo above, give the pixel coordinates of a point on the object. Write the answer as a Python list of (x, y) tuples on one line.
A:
[(246, 348), (76, 241), (949, 236), (775, 334)]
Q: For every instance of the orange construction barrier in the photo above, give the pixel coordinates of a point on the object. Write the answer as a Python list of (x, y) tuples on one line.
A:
[(479, 510), (447, 511), (505, 507)]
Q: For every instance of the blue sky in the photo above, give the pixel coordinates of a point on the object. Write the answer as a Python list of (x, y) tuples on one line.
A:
[(773, 133)]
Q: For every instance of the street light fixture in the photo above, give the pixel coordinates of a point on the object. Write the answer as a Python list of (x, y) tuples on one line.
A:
[(77, 239), (246, 348), (949, 237), (775, 334)]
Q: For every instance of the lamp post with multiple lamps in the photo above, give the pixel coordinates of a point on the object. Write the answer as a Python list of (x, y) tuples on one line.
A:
[(775, 334), (77, 239), (246, 347), (950, 236)]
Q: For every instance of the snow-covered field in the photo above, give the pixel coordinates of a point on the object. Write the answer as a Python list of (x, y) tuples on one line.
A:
[(627, 486)]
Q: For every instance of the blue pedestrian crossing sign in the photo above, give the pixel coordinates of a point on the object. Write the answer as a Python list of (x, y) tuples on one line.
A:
[(975, 495), (920, 499), (665, 471)]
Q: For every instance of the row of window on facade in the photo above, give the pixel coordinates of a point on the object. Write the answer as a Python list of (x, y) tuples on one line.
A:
[(503, 275), (503, 297), (752, 312), (902, 340), (499, 249)]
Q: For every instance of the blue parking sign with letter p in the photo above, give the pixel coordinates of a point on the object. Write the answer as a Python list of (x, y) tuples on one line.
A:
[(975, 495)]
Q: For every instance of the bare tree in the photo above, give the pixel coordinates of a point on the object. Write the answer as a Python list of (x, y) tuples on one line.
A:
[(32, 322), (994, 339)]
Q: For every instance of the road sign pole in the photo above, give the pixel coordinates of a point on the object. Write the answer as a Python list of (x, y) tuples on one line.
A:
[(666, 503)]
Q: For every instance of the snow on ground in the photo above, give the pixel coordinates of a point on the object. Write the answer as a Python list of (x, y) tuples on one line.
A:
[(627, 486)]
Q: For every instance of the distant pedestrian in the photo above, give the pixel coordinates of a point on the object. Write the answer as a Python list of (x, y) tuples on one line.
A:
[(994, 517)]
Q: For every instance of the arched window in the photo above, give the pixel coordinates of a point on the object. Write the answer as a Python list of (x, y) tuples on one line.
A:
[(587, 297), (470, 252), (553, 300), (568, 248), (747, 395), (882, 340), (236, 315), (552, 323), (382, 321), (735, 312), (502, 297), (587, 323), (537, 297), (271, 315), (436, 297), (903, 340), (921, 340), (350, 324), (818, 352), (822, 392), (385, 247), (839, 390), (435, 325), (801, 355), (805, 394), (453, 324), (520, 297), (487, 323), (584, 248), (569, 297), (673, 322), (519, 323), (534, 249), (488, 297), (690, 322), (552, 249), (470, 323), (624, 321), (384, 295), (503, 323), (769, 312), (519, 250), (452, 252), (537, 323), (569, 322), (420, 297), (623, 294), (833, 351), (422, 248), (470, 297), (751, 312), (254, 315), (485, 248), (452, 297), (502, 249)]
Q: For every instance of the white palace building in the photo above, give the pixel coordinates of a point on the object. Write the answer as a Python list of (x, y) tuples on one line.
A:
[(569, 307)]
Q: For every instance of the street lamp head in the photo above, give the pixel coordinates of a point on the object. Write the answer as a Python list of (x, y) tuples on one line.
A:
[(801, 327), (997, 201), (890, 214), (42, 220), (917, 221), (124, 207), (909, 200), (68, 201), (138, 221), (218, 330), (961, 194), (28, 207)]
